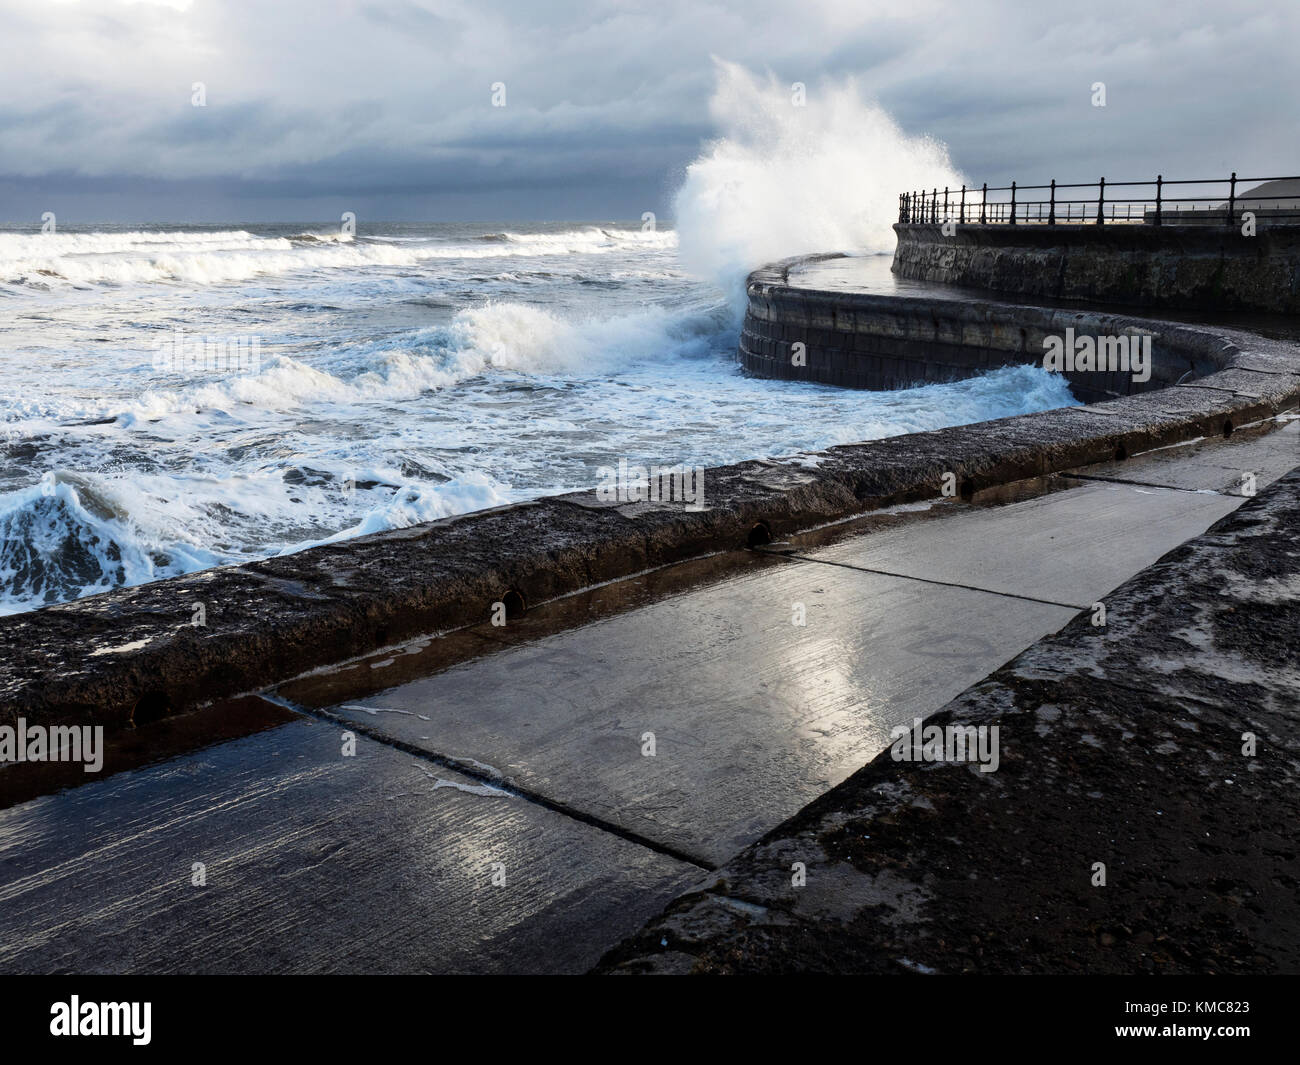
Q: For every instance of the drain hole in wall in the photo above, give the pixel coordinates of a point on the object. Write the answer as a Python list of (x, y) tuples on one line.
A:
[(151, 707), (514, 602)]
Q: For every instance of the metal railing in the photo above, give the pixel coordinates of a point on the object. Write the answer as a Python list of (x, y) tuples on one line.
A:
[(1066, 204)]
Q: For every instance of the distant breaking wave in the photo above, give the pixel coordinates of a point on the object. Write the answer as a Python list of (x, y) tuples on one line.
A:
[(30, 245), (43, 260)]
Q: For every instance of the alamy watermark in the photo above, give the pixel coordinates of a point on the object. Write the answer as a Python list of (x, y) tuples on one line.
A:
[(1079, 354), (946, 743), (75, 1017), (183, 352), (55, 743), (651, 484)]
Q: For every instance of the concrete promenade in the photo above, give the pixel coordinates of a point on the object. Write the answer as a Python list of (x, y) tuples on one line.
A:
[(522, 799), (1142, 817)]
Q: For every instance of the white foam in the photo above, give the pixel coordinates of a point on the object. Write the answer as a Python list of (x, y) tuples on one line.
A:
[(414, 505), (784, 180), (496, 337), (60, 540)]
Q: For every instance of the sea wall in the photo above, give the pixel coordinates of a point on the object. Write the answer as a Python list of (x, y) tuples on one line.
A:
[(1198, 267), (866, 340)]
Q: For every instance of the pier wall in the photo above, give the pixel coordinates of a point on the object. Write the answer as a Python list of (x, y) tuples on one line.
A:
[(1195, 267), (866, 340)]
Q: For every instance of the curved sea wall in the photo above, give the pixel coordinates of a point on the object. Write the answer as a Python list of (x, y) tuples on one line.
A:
[(866, 340), (134, 654), (1198, 267), (870, 341)]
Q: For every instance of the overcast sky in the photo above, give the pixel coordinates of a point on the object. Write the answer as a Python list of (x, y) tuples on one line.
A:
[(384, 107)]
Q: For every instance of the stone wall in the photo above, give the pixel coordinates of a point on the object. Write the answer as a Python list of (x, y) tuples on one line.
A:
[(1199, 267), (861, 340)]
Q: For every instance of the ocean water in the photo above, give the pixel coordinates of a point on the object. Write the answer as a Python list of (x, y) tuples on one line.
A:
[(371, 382)]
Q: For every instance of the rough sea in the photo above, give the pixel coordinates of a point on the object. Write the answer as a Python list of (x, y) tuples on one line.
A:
[(175, 398)]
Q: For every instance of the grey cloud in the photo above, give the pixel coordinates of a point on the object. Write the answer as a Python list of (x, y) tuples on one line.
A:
[(607, 102)]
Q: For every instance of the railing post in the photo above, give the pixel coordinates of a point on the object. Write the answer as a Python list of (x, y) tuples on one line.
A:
[(961, 215), (1101, 201), (984, 196), (1013, 204), (1232, 197), (1160, 180), (1051, 207), (945, 204), (934, 205)]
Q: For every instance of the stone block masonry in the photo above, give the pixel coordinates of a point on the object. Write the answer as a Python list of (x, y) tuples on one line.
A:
[(1196, 267)]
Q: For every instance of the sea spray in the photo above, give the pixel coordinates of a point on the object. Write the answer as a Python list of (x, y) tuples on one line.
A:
[(787, 179)]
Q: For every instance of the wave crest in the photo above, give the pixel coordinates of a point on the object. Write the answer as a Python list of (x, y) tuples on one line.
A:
[(55, 547)]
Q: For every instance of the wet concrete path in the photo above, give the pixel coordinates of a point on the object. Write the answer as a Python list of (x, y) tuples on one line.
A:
[(1141, 817), (549, 787)]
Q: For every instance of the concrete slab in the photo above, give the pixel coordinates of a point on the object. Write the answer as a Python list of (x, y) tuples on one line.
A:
[(1164, 746), (1210, 465), (1072, 546), (315, 862), (752, 715)]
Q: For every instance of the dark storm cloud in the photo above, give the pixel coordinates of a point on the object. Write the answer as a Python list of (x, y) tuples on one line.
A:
[(388, 104)]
